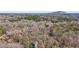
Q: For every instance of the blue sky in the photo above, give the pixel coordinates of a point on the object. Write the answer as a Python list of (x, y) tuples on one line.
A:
[(39, 5)]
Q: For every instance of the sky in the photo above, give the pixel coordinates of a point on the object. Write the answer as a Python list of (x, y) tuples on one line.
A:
[(39, 5)]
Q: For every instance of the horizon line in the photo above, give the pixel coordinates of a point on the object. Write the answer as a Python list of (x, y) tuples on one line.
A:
[(37, 11)]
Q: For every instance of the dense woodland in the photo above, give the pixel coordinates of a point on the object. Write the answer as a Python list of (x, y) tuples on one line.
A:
[(34, 31)]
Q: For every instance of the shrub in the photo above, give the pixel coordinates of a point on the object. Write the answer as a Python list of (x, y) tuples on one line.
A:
[(2, 30), (63, 28), (31, 17)]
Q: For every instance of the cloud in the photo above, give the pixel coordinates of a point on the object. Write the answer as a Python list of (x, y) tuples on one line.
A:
[(39, 5)]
